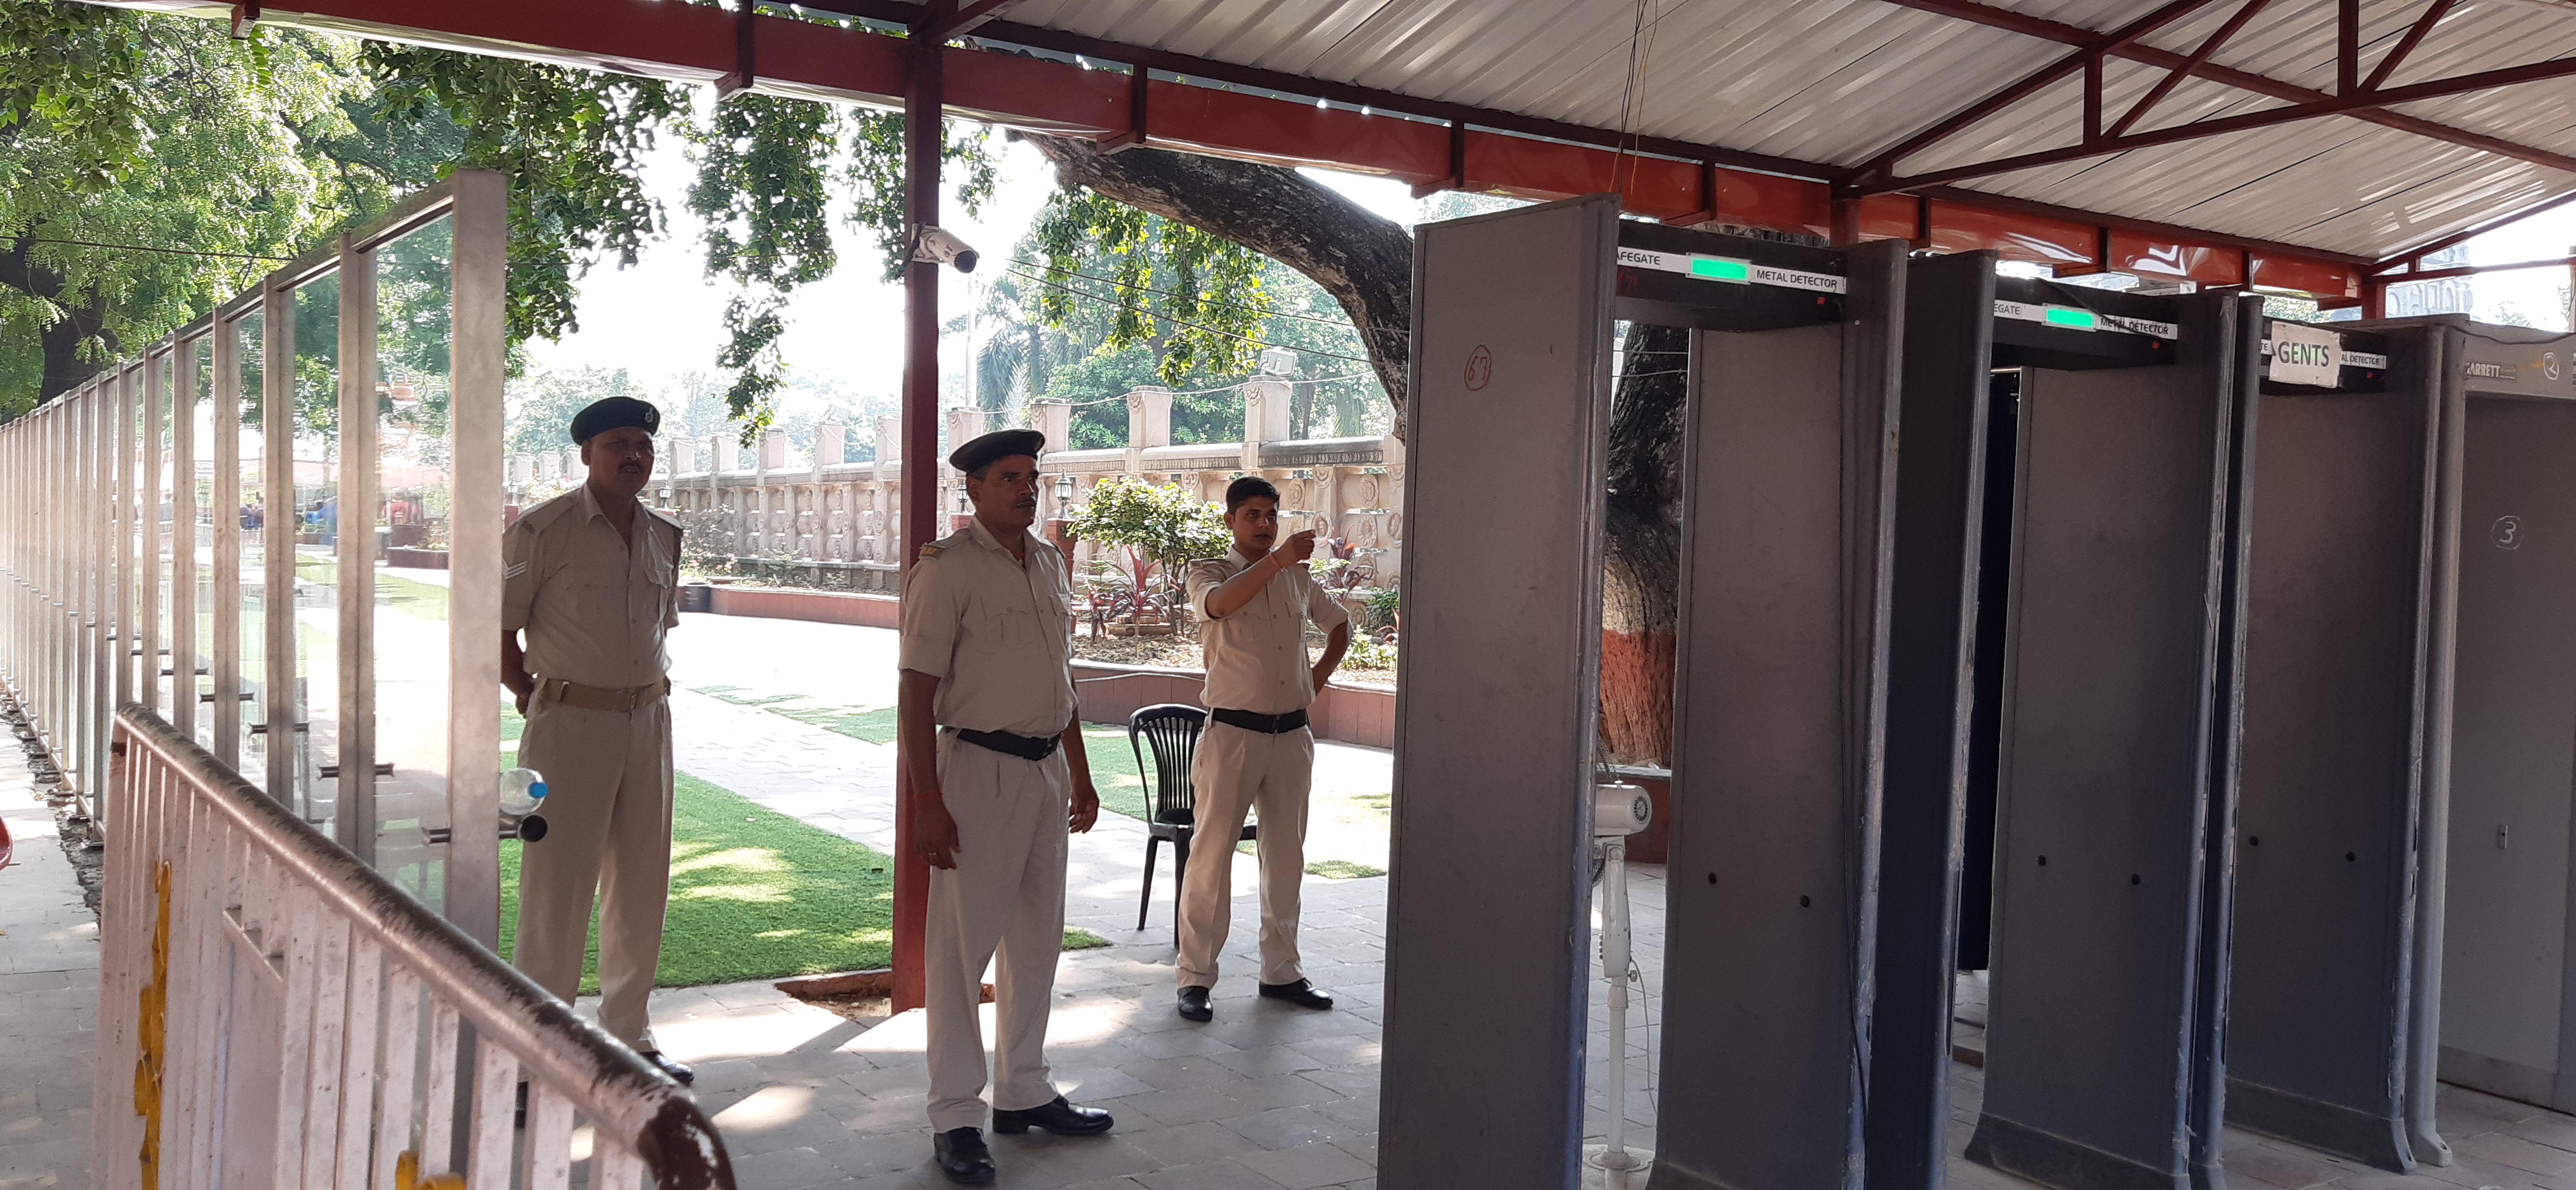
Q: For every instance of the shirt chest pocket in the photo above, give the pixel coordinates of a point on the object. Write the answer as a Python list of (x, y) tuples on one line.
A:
[(663, 574), (1009, 621)]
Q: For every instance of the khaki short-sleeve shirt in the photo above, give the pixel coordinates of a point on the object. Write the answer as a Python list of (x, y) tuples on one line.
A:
[(997, 635), (594, 610), (1256, 658)]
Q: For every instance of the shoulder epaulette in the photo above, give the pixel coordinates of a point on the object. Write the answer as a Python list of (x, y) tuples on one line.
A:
[(931, 549), (544, 514)]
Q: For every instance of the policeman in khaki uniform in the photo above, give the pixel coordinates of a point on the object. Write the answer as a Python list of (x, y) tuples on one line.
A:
[(994, 755), (590, 576), (1257, 754)]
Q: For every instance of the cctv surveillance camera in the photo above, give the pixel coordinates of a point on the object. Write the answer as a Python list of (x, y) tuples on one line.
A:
[(940, 246)]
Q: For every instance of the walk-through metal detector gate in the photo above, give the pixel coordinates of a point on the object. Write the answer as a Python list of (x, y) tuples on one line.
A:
[(1821, 676), (2410, 737), (2340, 651), (2507, 1022), (1780, 702), (2108, 953)]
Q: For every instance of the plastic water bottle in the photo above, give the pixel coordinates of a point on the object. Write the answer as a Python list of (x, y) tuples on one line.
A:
[(522, 790)]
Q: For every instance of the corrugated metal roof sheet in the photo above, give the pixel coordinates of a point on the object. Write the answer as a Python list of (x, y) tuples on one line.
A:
[(1838, 81)]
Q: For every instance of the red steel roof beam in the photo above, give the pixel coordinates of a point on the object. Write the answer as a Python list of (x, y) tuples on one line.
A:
[(2347, 46), (2065, 34), (944, 19), (2433, 14), (2088, 59), (2175, 76), (2331, 106)]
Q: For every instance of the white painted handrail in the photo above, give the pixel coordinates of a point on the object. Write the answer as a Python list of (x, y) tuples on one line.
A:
[(274, 1013)]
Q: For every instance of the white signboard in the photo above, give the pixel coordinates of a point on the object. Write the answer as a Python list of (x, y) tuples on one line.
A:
[(2303, 354)]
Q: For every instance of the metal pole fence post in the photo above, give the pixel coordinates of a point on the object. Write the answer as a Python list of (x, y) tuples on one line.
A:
[(352, 527), (225, 611), (278, 709), (480, 271)]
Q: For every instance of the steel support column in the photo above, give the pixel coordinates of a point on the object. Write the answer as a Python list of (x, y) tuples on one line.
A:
[(920, 466)]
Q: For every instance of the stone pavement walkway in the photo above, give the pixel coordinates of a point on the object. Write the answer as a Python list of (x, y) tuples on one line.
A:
[(48, 997), (1265, 1098)]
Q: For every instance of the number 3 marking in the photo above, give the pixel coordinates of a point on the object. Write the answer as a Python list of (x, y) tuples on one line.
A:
[(2506, 533)]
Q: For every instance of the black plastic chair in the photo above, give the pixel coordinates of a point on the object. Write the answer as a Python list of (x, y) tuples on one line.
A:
[(1173, 731)]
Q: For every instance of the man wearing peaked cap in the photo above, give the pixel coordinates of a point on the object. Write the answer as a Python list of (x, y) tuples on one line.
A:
[(615, 413), (994, 755), (591, 577), (999, 444)]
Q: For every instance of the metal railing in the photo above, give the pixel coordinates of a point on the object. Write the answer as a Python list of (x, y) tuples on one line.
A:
[(275, 1013), (280, 526)]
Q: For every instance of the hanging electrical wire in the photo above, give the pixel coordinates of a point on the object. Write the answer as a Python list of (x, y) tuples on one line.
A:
[(155, 251), (1264, 311), (1072, 292)]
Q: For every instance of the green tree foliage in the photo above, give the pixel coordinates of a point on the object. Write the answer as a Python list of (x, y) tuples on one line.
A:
[(1194, 299), (153, 165), (541, 405), (764, 168), (571, 144)]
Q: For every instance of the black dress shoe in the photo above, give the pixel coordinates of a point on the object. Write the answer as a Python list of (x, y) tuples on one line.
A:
[(962, 1156), (1194, 1005), (679, 1074), (1301, 993), (1057, 1116)]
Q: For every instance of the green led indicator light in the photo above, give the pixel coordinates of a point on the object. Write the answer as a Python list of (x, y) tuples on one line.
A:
[(1720, 268), (2070, 317)]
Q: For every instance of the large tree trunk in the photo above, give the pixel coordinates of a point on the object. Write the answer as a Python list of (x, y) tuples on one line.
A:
[(1366, 263), (60, 339), (1641, 579)]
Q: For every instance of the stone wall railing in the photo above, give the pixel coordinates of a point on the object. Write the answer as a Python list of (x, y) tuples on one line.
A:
[(837, 524)]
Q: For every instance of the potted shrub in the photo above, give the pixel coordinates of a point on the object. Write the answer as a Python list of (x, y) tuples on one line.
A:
[(1157, 530)]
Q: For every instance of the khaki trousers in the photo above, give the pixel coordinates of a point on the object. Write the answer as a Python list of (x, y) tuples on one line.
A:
[(608, 820), (1005, 895), (1235, 771)]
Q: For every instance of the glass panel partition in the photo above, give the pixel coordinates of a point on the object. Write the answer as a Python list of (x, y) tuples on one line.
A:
[(314, 504), (192, 519), (414, 296), (260, 516)]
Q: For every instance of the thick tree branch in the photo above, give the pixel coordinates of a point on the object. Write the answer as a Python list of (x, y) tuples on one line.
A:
[(1364, 261)]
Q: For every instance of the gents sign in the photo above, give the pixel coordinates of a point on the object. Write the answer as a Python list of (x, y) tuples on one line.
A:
[(2303, 354)]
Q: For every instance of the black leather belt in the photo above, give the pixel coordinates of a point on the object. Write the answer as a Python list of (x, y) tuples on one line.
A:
[(1026, 747), (1265, 724)]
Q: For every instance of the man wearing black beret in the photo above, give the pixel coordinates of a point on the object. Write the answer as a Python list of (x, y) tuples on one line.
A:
[(591, 577), (998, 776)]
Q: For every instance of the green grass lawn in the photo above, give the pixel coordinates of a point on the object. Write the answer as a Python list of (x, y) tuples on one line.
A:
[(755, 894), (426, 600)]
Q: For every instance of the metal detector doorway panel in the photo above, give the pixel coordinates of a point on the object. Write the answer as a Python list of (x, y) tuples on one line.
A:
[(2102, 1030), (2505, 995), (2340, 582), (1488, 900)]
